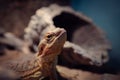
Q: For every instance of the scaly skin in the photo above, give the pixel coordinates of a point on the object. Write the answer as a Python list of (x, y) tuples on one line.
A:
[(42, 65)]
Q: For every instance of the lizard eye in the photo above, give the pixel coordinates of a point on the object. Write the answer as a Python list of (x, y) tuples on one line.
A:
[(49, 36)]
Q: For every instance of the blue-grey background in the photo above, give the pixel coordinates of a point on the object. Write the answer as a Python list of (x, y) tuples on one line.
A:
[(105, 14)]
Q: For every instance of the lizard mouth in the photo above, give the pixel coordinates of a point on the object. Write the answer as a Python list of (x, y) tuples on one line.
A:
[(61, 36), (61, 32)]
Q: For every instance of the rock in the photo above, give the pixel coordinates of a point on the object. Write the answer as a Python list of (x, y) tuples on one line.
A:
[(76, 74), (8, 41), (87, 43)]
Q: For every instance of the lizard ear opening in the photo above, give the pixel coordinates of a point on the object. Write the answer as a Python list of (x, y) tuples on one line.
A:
[(40, 49)]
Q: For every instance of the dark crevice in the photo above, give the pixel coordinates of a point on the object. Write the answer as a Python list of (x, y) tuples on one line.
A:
[(5, 46), (70, 22)]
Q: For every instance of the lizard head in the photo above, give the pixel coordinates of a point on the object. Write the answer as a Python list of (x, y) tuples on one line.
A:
[(52, 43)]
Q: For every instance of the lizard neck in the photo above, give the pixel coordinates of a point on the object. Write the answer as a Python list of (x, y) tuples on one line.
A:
[(47, 60), (50, 58), (47, 64)]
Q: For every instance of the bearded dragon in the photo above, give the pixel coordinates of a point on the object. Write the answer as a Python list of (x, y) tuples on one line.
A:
[(42, 64)]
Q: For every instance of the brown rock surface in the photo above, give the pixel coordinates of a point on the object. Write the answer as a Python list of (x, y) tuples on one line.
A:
[(76, 74)]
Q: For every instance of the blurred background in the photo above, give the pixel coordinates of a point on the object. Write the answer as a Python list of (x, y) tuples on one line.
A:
[(16, 14), (106, 15)]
